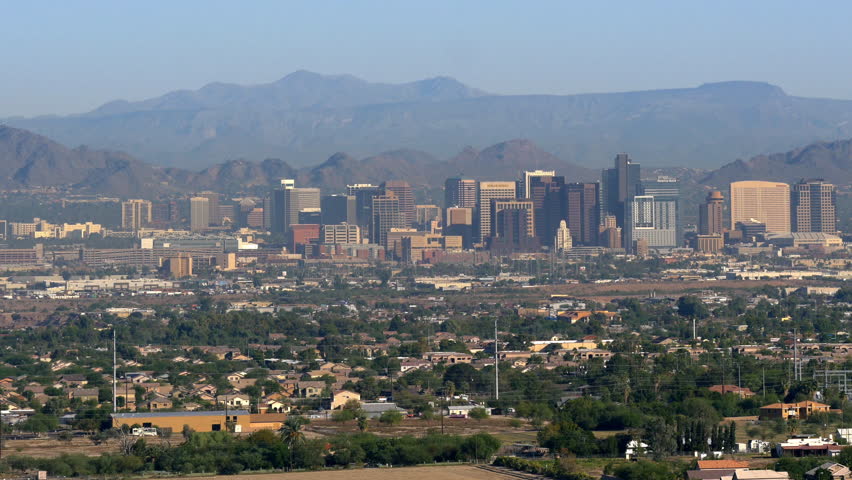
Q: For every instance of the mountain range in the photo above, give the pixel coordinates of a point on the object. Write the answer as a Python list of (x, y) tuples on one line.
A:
[(305, 117), (32, 160)]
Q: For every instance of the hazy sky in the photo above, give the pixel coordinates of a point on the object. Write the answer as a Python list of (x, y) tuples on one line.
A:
[(71, 56)]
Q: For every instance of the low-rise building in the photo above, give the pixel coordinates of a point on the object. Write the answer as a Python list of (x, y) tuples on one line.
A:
[(212, 421), (799, 410)]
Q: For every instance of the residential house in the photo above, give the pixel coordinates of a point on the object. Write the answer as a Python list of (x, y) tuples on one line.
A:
[(339, 398), (311, 389), (73, 380), (799, 410), (375, 410), (235, 401), (83, 394), (464, 410), (724, 389), (159, 402), (836, 470), (448, 357), (760, 475)]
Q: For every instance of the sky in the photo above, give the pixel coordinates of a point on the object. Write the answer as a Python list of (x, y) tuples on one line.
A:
[(70, 57)]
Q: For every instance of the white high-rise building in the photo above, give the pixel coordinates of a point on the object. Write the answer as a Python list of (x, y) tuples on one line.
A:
[(563, 241)]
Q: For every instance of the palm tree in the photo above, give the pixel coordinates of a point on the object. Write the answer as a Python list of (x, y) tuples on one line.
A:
[(292, 434)]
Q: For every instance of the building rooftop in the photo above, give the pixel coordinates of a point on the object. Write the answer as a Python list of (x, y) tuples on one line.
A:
[(721, 464), (212, 413)]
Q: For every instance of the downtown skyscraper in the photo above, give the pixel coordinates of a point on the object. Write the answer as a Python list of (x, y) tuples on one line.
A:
[(813, 205)]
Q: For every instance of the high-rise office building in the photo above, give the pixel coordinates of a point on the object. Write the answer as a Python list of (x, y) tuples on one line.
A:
[(199, 213), (300, 235), (164, 213), (228, 214), (342, 233), (310, 216), (710, 214), (363, 193), (180, 266), (387, 214), (524, 188), (540, 189), (460, 192), (813, 205), (299, 199), (578, 205), (487, 192), (512, 227), (654, 216), (618, 185), (609, 233), (135, 214), (522, 205), (426, 214), (764, 202), (666, 193), (275, 208), (403, 191), (214, 199), (338, 209), (459, 222), (255, 218)]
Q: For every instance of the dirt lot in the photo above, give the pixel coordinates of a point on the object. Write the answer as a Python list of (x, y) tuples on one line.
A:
[(497, 426), (454, 472), (47, 447)]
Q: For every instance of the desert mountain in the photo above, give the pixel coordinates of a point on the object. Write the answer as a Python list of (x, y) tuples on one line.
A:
[(304, 116), (829, 160), (32, 160), (506, 160)]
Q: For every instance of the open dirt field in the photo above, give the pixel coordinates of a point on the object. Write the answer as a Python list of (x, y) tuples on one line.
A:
[(47, 447), (454, 472), (497, 426)]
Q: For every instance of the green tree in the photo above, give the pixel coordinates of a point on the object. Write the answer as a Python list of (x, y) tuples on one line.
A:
[(390, 417)]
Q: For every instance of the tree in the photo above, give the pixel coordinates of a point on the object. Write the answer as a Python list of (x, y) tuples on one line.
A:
[(691, 306), (292, 434), (390, 417), (478, 413), (384, 276), (480, 446)]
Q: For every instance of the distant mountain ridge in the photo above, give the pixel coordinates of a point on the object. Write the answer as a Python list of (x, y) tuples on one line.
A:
[(829, 160), (33, 160), (305, 116), (30, 160)]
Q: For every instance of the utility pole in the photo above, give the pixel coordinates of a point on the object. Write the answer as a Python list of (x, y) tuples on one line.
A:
[(764, 383), (114, 373), (496, 364), (739, 381), (796, 355)]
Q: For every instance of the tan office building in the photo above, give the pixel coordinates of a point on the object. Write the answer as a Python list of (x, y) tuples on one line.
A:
[(491, 191), (765, 202)]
